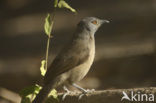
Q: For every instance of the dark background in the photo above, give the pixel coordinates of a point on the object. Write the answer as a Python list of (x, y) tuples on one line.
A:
[(125, 48)]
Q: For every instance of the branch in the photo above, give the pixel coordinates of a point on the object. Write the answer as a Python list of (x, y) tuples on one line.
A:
[(103, 96), (106, 96)]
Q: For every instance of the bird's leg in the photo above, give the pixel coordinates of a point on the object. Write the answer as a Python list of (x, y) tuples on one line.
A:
[(80, 88), (84, 91), (65, 94)]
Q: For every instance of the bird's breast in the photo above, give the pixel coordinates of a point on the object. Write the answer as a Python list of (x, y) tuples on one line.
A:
[(78, 73)]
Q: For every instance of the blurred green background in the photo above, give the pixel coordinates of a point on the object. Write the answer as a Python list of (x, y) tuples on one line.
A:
[(125, 48)]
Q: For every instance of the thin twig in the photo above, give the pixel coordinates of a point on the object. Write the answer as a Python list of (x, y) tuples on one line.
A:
[(49, 37)]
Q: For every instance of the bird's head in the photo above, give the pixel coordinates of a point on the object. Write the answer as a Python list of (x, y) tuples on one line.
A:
[(91, 24)]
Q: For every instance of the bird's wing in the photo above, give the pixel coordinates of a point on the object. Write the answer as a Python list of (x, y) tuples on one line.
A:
[(66, 60)]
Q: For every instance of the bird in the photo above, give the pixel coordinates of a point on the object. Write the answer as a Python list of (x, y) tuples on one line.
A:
[(74, 61)]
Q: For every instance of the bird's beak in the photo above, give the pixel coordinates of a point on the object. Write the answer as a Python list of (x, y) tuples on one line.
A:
[(104, 21)]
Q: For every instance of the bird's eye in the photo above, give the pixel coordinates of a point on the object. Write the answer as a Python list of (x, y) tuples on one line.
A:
[(94, 22)]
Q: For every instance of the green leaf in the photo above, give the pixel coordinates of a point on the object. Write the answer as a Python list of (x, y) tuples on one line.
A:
[(30, 90), (42, 68), (63, 4), (29, 93), (53, 93), (48, 25), (55, 3), (25, 100), (52, 97)]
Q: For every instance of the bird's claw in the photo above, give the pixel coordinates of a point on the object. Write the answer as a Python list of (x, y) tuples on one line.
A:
[(86, 92), (65, 94)]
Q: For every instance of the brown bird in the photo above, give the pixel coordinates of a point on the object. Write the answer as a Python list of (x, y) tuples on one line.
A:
[(74, 61)]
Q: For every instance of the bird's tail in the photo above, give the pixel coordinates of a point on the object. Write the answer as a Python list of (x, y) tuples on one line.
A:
[(41, 97)]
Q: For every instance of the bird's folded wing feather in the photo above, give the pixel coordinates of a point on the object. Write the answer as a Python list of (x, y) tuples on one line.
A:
[(66, 60)]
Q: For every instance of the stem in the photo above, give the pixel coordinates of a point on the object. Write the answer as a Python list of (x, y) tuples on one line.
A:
[(48, 41), (47, 52)]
